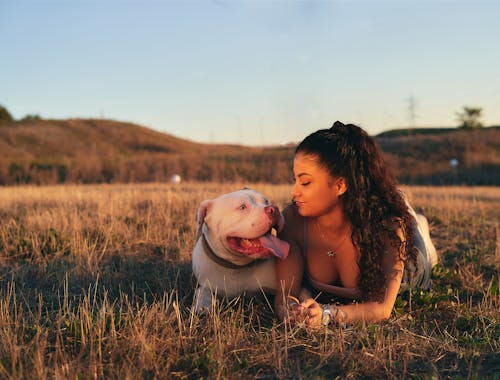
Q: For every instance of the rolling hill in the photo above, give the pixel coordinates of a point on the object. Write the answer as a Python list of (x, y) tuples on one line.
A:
[(104, 151), (96, 151), (423, 156)]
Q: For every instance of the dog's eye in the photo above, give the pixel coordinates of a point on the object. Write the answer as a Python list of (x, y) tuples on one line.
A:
[(266, 202), (242, 207)]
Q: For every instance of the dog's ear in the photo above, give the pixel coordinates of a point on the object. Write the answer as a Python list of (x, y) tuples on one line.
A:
[(203, 210)]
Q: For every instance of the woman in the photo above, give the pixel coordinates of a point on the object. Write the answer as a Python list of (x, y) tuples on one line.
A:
[(350, 230)]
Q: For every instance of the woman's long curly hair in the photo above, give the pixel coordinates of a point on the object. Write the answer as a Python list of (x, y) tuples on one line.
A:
[(373, 203)]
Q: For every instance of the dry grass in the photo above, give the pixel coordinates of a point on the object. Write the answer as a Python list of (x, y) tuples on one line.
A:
[(95, 282)]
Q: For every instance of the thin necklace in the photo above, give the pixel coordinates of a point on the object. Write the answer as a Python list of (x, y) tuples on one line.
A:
[(330, 252)]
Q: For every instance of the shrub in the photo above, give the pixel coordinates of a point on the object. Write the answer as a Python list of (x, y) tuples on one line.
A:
[(5, 116)]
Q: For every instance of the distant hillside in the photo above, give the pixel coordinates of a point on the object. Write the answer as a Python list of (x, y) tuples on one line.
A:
[(424, 131), (423, 156), (97, 151), (104, 151), (67, 138)]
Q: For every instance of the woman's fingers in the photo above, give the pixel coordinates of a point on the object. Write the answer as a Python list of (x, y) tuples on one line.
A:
[(310, 312), (308, 302), (307, 311)]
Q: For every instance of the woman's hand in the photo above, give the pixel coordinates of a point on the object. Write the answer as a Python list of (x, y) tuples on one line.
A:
[(308, 312)]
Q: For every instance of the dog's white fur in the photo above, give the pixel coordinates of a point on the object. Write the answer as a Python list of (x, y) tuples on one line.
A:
[(246, 214)]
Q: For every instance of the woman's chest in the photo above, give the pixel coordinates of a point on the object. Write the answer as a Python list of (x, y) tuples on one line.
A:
[(338, 269)]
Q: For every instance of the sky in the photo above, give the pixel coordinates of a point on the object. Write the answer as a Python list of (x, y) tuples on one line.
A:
[(251, 72)]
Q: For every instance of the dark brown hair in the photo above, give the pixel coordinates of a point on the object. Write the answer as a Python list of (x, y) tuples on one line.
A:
[(373, 203)]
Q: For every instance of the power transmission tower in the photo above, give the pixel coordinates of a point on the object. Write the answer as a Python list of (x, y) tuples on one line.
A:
[(412, 105)]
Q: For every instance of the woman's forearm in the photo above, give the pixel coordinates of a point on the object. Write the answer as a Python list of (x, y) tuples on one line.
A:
[(367, 312)]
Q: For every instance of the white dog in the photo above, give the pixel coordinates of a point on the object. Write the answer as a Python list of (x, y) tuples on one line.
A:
[(236, 246)]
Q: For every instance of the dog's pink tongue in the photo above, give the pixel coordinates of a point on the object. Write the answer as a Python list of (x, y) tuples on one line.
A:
[(277, 246)]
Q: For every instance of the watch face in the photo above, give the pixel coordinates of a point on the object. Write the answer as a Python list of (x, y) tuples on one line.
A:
[(326, 317)]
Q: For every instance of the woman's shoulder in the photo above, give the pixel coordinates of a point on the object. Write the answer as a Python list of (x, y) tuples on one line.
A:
[(395, 228), (393, 223)]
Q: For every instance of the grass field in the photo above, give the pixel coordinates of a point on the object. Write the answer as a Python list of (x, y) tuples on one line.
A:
[(95, 282)]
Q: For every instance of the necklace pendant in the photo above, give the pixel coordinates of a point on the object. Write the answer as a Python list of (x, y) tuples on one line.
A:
[(330, 253)]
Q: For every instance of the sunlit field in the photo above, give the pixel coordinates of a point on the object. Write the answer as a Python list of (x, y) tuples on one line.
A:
[(95, 282)]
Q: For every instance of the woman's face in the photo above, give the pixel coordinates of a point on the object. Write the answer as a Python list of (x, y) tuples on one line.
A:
[(315, 191)]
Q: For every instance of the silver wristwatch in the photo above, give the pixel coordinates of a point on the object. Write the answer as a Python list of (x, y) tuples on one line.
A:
[(326, 318)]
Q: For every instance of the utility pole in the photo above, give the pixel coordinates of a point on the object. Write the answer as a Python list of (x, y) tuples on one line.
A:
[(412, 105)]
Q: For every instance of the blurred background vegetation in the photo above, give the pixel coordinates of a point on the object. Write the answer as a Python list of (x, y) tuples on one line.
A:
[(38, 151)]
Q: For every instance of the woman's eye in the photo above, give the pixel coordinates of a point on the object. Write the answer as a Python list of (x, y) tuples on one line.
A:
[(305, 183), (242, 207)]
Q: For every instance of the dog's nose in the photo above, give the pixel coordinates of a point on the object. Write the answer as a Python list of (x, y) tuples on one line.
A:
[(271, 210)]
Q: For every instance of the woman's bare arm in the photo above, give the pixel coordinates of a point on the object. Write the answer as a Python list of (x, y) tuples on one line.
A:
[(289, 272), (373, 311)]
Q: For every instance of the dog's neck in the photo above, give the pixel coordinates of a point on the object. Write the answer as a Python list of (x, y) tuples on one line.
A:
[(217, 259)]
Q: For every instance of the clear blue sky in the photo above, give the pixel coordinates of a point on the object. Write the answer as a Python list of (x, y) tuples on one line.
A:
[(251, 72)]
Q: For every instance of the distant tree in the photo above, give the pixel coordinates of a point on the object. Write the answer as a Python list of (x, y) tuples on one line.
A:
[(5, 116), (31, 117), (469, 117)]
